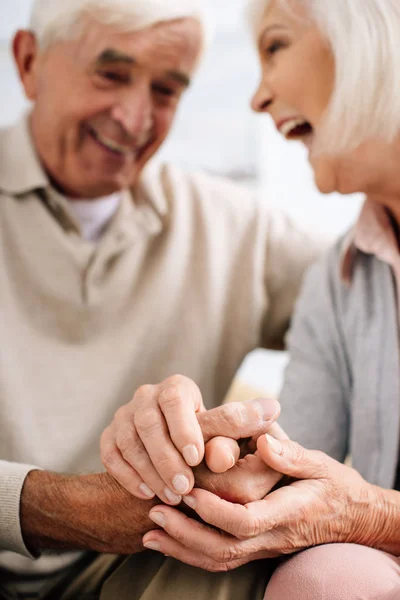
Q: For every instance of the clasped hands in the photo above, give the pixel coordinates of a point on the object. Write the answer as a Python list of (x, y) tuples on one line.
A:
[(156, 444)]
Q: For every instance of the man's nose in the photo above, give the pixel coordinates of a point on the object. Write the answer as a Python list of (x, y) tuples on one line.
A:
[(262, 98), (134, 111)]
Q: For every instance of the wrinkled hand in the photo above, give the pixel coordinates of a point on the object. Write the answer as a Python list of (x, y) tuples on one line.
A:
[(248, 481), (328, 503), (155, 439)]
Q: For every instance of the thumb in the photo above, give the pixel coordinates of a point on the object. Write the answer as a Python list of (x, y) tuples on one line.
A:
[(289, 458)]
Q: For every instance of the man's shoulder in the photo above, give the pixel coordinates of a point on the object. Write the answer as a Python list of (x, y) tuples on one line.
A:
[(175, 184), (6, 132), (20, 169)]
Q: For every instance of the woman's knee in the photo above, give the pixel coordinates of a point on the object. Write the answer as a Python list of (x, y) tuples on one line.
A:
[(336, 572)]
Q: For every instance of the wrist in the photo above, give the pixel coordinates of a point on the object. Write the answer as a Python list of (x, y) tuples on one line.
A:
[(385, 521), (80, 513)]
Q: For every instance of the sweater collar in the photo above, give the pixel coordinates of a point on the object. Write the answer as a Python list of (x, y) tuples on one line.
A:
[(21, 172)]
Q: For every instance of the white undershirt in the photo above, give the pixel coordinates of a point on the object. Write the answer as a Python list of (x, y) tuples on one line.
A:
[(95, 215)]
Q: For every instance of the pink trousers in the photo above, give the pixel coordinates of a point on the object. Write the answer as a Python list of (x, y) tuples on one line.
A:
[(337, 572)]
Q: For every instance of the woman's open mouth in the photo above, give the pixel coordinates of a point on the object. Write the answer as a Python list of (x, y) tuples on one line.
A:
[(296, 129)]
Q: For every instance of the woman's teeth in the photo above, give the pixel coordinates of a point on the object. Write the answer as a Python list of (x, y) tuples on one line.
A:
[(295, 128)]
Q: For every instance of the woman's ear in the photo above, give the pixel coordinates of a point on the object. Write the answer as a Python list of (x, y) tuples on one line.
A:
[(26, 52)]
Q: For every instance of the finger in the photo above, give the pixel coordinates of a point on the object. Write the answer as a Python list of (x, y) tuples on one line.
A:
[(180, 399), (242, 522), (292, 459), (221, 454), (239, 419), (277, 432), (196, 536), (161, 542), (119, 469), (135, 454), (152, 430)]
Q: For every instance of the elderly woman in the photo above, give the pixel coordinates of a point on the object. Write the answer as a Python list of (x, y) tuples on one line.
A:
[(330, 79)]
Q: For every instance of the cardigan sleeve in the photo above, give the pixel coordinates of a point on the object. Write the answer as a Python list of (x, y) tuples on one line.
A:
[(316, 393)]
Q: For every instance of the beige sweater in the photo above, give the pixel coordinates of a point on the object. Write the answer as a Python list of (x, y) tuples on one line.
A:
[(191, 275)]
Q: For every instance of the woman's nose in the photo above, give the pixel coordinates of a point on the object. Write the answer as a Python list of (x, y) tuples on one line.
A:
[(262, 99)]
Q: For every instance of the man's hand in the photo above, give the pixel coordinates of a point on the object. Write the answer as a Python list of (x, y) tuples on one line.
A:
[(88, 512), (154, 440), (328, 503), (248, 481)]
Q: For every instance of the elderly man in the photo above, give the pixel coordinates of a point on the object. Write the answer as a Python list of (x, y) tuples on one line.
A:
[(113, 276)]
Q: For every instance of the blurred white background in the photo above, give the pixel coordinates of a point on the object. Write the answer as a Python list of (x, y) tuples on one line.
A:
[(216, 131)]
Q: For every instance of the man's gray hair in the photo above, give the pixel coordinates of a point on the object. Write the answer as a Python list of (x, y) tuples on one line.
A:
[(364, 38), (53, 20)]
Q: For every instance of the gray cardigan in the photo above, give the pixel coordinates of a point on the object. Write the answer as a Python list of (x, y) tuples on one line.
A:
[(342, 385)]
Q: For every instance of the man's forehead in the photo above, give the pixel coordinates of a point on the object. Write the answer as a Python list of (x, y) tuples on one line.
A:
[(167, 46)]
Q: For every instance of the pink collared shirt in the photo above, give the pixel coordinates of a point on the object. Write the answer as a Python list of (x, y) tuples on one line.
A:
[(372, 234)]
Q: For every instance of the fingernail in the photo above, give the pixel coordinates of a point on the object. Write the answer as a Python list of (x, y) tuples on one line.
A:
[(158, 518), (274, 444), (146, 491), (171, 497), (181, 484), (190, 501), (191, 455), (153, 546), (230, 457)]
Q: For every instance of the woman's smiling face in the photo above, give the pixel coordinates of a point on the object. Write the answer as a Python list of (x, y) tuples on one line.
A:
[(298, 79)]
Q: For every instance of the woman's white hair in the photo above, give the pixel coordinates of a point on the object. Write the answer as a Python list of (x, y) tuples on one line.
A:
[(53, 20), (364, 38)]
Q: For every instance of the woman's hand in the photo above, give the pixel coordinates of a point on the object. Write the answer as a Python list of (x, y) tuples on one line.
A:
[(328, 503)]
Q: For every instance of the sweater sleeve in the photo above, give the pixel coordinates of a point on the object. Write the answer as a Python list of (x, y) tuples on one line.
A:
[(290, 251), (12, 479)]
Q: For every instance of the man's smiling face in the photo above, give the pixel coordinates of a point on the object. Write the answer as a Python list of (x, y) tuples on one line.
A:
[(105, 102)]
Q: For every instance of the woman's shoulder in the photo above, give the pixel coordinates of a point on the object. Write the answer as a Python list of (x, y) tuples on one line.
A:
[(345, 279)]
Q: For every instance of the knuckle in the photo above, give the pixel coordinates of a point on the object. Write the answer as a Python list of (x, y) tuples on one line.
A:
[(144, 391), (321, 463), (120, 414), (298, 453), (171, 397), (175, 380), (216, 567), (148, 420), (144, 394), (228, 554), (248, 528), (125, 442), (109, 458), (234, 415)]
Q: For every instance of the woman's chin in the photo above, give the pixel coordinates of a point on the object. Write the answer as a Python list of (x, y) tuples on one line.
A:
[(324, 185), (324, 174), (338, 175)]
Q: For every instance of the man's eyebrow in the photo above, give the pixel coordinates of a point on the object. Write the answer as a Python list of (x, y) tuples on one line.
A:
[(267, 31), (179, 77), (110, 55), (113, 56)]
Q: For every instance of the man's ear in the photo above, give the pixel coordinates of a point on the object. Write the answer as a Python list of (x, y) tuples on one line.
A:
[(26, 52)]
